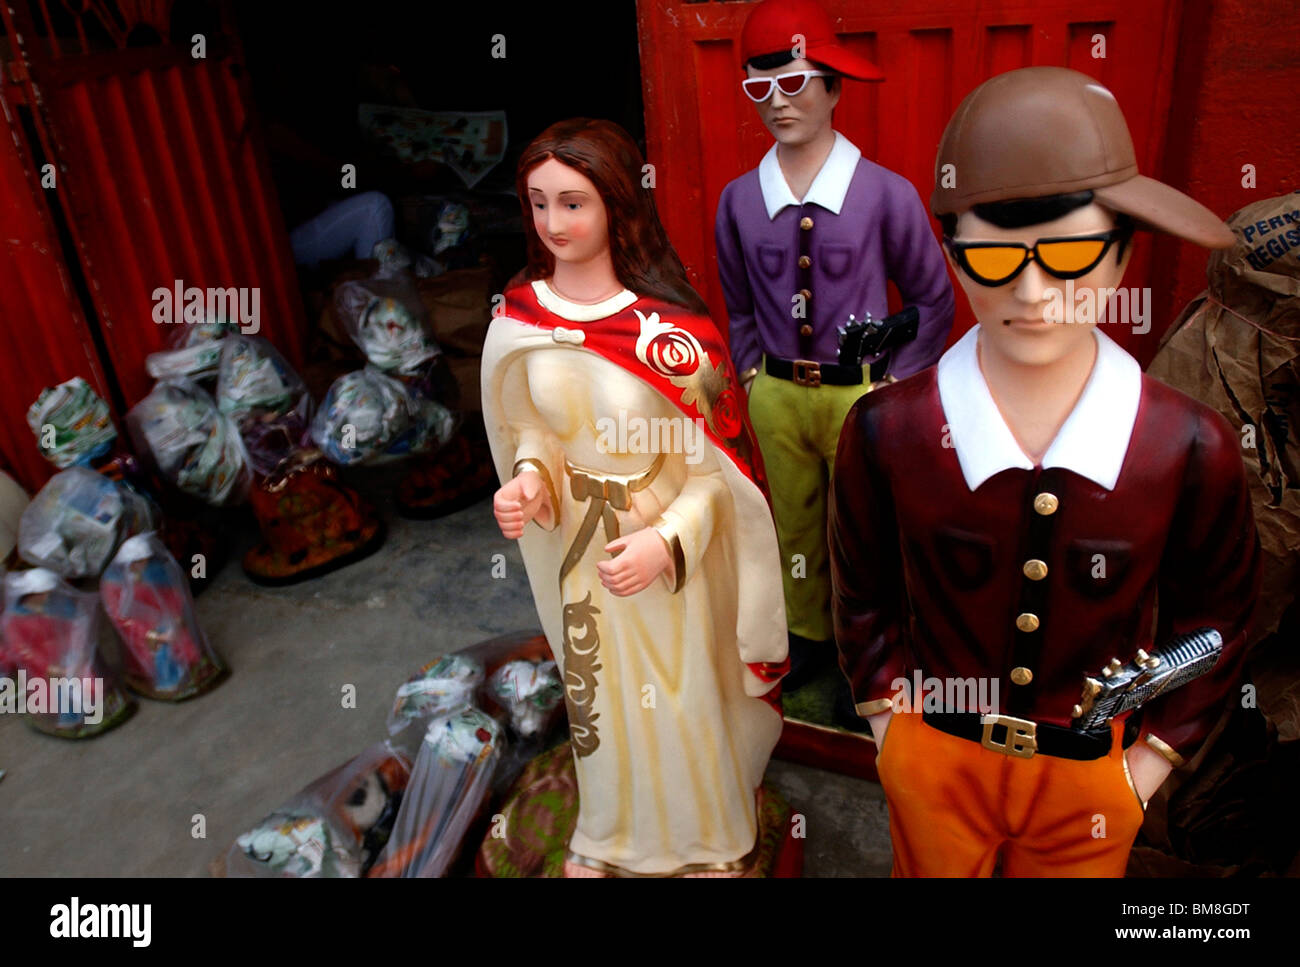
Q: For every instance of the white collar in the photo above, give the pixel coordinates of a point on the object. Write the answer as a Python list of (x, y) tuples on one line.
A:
[(578, 311), (1092, 441), (828, 188)]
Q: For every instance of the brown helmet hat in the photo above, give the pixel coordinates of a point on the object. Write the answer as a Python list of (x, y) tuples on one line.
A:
[(1048, 131)]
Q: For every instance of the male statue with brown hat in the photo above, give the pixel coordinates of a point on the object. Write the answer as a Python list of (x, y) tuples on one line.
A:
[(807, 240), (1034, 507)]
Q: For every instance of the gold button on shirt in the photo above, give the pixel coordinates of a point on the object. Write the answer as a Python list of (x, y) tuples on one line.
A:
[(1021, 675), (806, 223), (1027, 622), (1035, 569), (1046, 504)]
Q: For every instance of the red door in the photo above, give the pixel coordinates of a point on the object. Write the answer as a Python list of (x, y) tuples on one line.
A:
[(44, 338), (161, 170), (701, 131)]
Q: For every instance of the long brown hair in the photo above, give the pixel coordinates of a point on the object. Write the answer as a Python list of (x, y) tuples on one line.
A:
[(644, 260)]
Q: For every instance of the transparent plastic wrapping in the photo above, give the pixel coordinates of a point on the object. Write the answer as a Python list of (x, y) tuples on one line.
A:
[(335, 827), (51, 631), (370, 417), (194, 446), (73, 526), (72, 424), (530, 692), (449, 786), (195, 352), (385, 317), (267, 399), (254, 378), (442, 686), (165, 654)]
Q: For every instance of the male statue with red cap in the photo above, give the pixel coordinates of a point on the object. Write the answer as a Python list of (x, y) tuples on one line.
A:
[(806, 241), (1035, 515)]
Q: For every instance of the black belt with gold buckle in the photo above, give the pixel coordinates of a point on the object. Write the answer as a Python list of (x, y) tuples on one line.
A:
[(806, 372), (1021, 738)]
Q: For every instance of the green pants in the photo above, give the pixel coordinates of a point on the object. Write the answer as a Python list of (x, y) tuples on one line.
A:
[(798, 429)]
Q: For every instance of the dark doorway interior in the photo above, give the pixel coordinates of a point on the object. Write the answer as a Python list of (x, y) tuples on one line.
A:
[(313, 66)]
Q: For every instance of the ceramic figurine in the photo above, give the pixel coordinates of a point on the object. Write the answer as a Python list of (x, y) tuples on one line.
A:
[(1005, 522), (806, 241), (632, 481)]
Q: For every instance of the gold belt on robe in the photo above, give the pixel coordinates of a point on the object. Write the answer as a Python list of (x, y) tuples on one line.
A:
[(606, 492)]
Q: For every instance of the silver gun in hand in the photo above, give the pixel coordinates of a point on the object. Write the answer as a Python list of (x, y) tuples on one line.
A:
[(1120, 688)]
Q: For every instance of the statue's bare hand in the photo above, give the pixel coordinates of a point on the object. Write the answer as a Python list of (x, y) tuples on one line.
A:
[(641, 557), (522, 499)]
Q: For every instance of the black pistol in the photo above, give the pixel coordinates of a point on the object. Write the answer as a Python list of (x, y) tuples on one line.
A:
[(862, 338)]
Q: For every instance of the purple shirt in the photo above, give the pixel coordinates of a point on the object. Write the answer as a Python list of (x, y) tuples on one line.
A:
[(882, 232)]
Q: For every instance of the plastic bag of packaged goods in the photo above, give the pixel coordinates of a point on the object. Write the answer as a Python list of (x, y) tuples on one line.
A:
[(194, 446), (370, 417), (73, 526), (429, 425), (395, 259), (362, 414), (195, 352), (335, 827), (267, 399), (254, 378), (165, 654), (51, 632), (71, 424), (385, 317), (442, 686), (530, 692), (449, 787)]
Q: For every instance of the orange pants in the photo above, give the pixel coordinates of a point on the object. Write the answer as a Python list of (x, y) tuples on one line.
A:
[(954, 805)]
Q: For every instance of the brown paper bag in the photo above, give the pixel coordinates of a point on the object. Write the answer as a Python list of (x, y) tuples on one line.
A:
[(1236, 347)]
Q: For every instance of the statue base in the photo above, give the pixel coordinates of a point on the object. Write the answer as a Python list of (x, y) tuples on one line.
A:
[(530, 837)]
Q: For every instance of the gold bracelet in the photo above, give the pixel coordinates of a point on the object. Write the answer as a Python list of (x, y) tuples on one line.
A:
[(668, 531), (1164, 748), (529, 463), (874, 707)]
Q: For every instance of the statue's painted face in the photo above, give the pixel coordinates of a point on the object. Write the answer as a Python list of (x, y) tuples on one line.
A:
[(796, 119), (568, 212), (1035, 318)]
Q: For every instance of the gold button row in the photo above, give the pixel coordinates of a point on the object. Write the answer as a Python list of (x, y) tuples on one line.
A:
[(1045, 504)]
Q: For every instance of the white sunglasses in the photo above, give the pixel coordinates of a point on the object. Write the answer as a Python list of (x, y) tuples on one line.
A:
[(759, 89)]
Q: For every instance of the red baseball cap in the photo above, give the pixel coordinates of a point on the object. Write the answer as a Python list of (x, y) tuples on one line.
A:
[(773, 24)]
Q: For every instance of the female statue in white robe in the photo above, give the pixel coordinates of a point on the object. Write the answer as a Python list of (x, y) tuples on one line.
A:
[(631, 479)]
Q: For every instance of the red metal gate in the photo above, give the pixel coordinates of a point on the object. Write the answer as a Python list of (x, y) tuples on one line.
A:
[(701, 131), (161, 168), (44, 338)]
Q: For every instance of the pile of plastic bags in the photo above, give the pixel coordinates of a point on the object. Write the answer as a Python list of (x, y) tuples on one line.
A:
[(386, 410), (460, 729)]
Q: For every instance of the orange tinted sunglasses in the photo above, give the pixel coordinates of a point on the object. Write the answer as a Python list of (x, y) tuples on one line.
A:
[(997, 263)]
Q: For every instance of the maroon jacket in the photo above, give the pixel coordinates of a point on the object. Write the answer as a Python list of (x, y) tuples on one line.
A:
[(928, 573)]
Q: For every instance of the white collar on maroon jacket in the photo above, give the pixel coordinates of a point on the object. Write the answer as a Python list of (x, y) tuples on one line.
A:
[(1092, 442)]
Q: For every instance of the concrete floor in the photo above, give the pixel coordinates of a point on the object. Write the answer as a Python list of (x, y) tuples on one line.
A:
[(125, 803)]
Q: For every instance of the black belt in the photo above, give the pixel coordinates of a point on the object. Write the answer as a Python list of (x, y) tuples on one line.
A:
[(805, 372), (1021, 737)]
